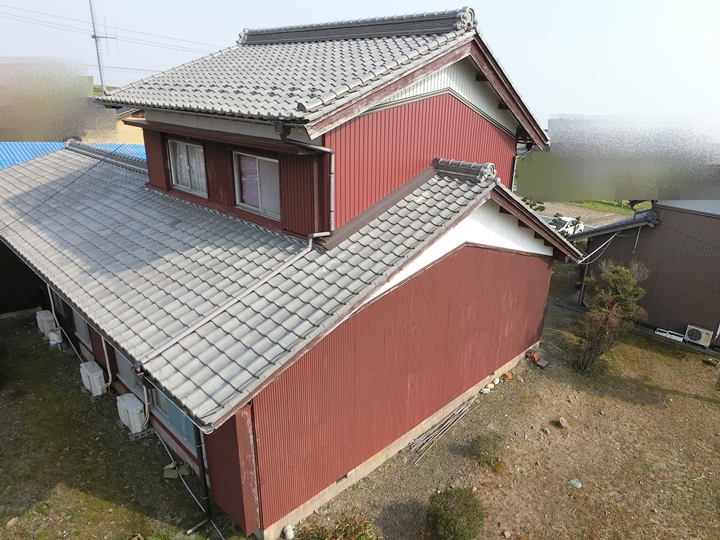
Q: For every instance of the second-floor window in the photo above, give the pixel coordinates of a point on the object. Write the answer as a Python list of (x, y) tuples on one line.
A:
[(187, 167), (257, 184)]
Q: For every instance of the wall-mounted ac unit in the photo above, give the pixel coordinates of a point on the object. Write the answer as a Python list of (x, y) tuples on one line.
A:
[(699, 336), (93, 378), (132, 412), (45, 321)]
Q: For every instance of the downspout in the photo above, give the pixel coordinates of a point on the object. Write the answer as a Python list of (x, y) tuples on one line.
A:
[(283, 130), (205, 497)]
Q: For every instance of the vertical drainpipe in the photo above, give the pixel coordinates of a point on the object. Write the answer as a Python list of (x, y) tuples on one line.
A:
[(205, 497)]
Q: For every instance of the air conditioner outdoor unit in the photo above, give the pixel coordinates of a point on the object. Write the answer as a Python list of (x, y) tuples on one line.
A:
[(45, 321), (93, 378), (132, 412), (699, 336)]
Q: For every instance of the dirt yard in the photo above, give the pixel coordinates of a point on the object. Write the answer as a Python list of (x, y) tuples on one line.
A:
[(643, 440)]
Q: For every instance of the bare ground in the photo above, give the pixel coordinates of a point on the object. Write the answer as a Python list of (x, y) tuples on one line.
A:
[(589, 216), (644, 441)]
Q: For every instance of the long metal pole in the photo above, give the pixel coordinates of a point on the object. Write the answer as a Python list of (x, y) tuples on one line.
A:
[(97, 47)]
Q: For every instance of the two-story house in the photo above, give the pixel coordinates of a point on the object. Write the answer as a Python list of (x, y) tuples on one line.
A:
[(320, 258)]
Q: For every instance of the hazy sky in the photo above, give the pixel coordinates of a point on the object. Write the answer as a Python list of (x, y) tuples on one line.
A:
[(646, 57)]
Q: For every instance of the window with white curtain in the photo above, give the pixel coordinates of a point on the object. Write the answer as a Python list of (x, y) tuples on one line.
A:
[(257, 184), (187, 167)]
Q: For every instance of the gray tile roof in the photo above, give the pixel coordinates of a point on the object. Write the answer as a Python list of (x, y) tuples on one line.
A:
[(142, 266), (301, 73)]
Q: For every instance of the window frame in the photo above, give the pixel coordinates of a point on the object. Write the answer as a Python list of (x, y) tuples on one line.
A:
[(170, 141), (238, 188), (162, 406), (82, 330)]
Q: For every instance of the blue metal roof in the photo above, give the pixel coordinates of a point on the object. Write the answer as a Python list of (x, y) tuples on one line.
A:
[(12, 153)]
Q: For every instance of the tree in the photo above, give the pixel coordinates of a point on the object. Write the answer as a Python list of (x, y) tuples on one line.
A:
[(611, 300)]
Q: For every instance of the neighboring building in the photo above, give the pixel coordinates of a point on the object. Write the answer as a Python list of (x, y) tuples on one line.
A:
[(302, 284), (679, 243)]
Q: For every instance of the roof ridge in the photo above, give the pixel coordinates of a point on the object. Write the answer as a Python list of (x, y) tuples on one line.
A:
[(110, 156), (438, 22), (478, 172), (378, 72)]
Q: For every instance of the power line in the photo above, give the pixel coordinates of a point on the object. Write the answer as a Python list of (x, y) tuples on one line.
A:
[(118, 28), (76, 30)]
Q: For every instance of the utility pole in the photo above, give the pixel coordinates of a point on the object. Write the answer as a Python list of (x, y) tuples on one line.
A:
[(97, 47)]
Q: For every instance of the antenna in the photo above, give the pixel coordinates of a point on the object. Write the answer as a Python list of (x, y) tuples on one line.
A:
[(97, 39)]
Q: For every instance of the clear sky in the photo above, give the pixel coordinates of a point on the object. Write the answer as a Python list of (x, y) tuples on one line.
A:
[(610, 57)]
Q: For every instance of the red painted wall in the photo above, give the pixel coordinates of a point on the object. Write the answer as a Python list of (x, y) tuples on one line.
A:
[(232, 470), (377, 153), (392, 365)]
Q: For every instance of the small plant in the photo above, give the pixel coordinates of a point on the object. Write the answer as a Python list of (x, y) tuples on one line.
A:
[(346, 528), (538, 206), (455, 514), (485, 448)]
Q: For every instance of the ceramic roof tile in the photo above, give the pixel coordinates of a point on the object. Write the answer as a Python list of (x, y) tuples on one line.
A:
[(301, 78), (233, 352)]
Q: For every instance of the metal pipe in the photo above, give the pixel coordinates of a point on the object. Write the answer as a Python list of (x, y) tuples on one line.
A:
[(97, 47), (331, 153), (52, 306), (205, 497), (107, 363)]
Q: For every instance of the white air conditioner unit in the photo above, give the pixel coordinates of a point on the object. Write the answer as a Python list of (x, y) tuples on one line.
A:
[(45, 322), (93, 378), (699, 336), (132, 412)]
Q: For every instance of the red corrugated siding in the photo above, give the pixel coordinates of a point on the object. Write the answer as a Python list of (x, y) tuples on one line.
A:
[(392, 365), (377, 153), (299, 193), (232, 471)]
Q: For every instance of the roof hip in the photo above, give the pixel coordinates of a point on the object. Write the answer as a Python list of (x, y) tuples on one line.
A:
[(440, 22)]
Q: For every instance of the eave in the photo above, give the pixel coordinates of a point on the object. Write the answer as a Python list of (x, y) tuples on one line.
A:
[(510, 204), (473, 48), (218, 136)]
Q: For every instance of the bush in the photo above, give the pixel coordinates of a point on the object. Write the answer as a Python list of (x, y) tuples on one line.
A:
[(346, 528), (612, 308), (485, 448), (455, 514)]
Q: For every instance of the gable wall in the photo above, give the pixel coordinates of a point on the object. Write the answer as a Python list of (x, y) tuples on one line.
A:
[(459, 78), (390, 366), (684, 282), (378, 152)]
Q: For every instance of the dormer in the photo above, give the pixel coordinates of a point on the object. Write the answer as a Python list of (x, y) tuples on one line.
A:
[(303, 128)]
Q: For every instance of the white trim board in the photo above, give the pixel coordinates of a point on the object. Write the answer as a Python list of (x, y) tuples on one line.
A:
[(486, 226)]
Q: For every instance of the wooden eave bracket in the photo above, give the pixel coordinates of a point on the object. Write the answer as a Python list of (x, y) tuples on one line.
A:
[(509, 98)]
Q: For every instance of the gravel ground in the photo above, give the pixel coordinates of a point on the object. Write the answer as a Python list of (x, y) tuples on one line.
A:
[(643, 440)]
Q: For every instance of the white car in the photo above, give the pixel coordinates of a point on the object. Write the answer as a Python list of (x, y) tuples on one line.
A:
[(567, 225)]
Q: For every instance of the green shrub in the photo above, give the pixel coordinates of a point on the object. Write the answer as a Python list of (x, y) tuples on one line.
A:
[(486, 448), (455, 514), (346, 528)]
